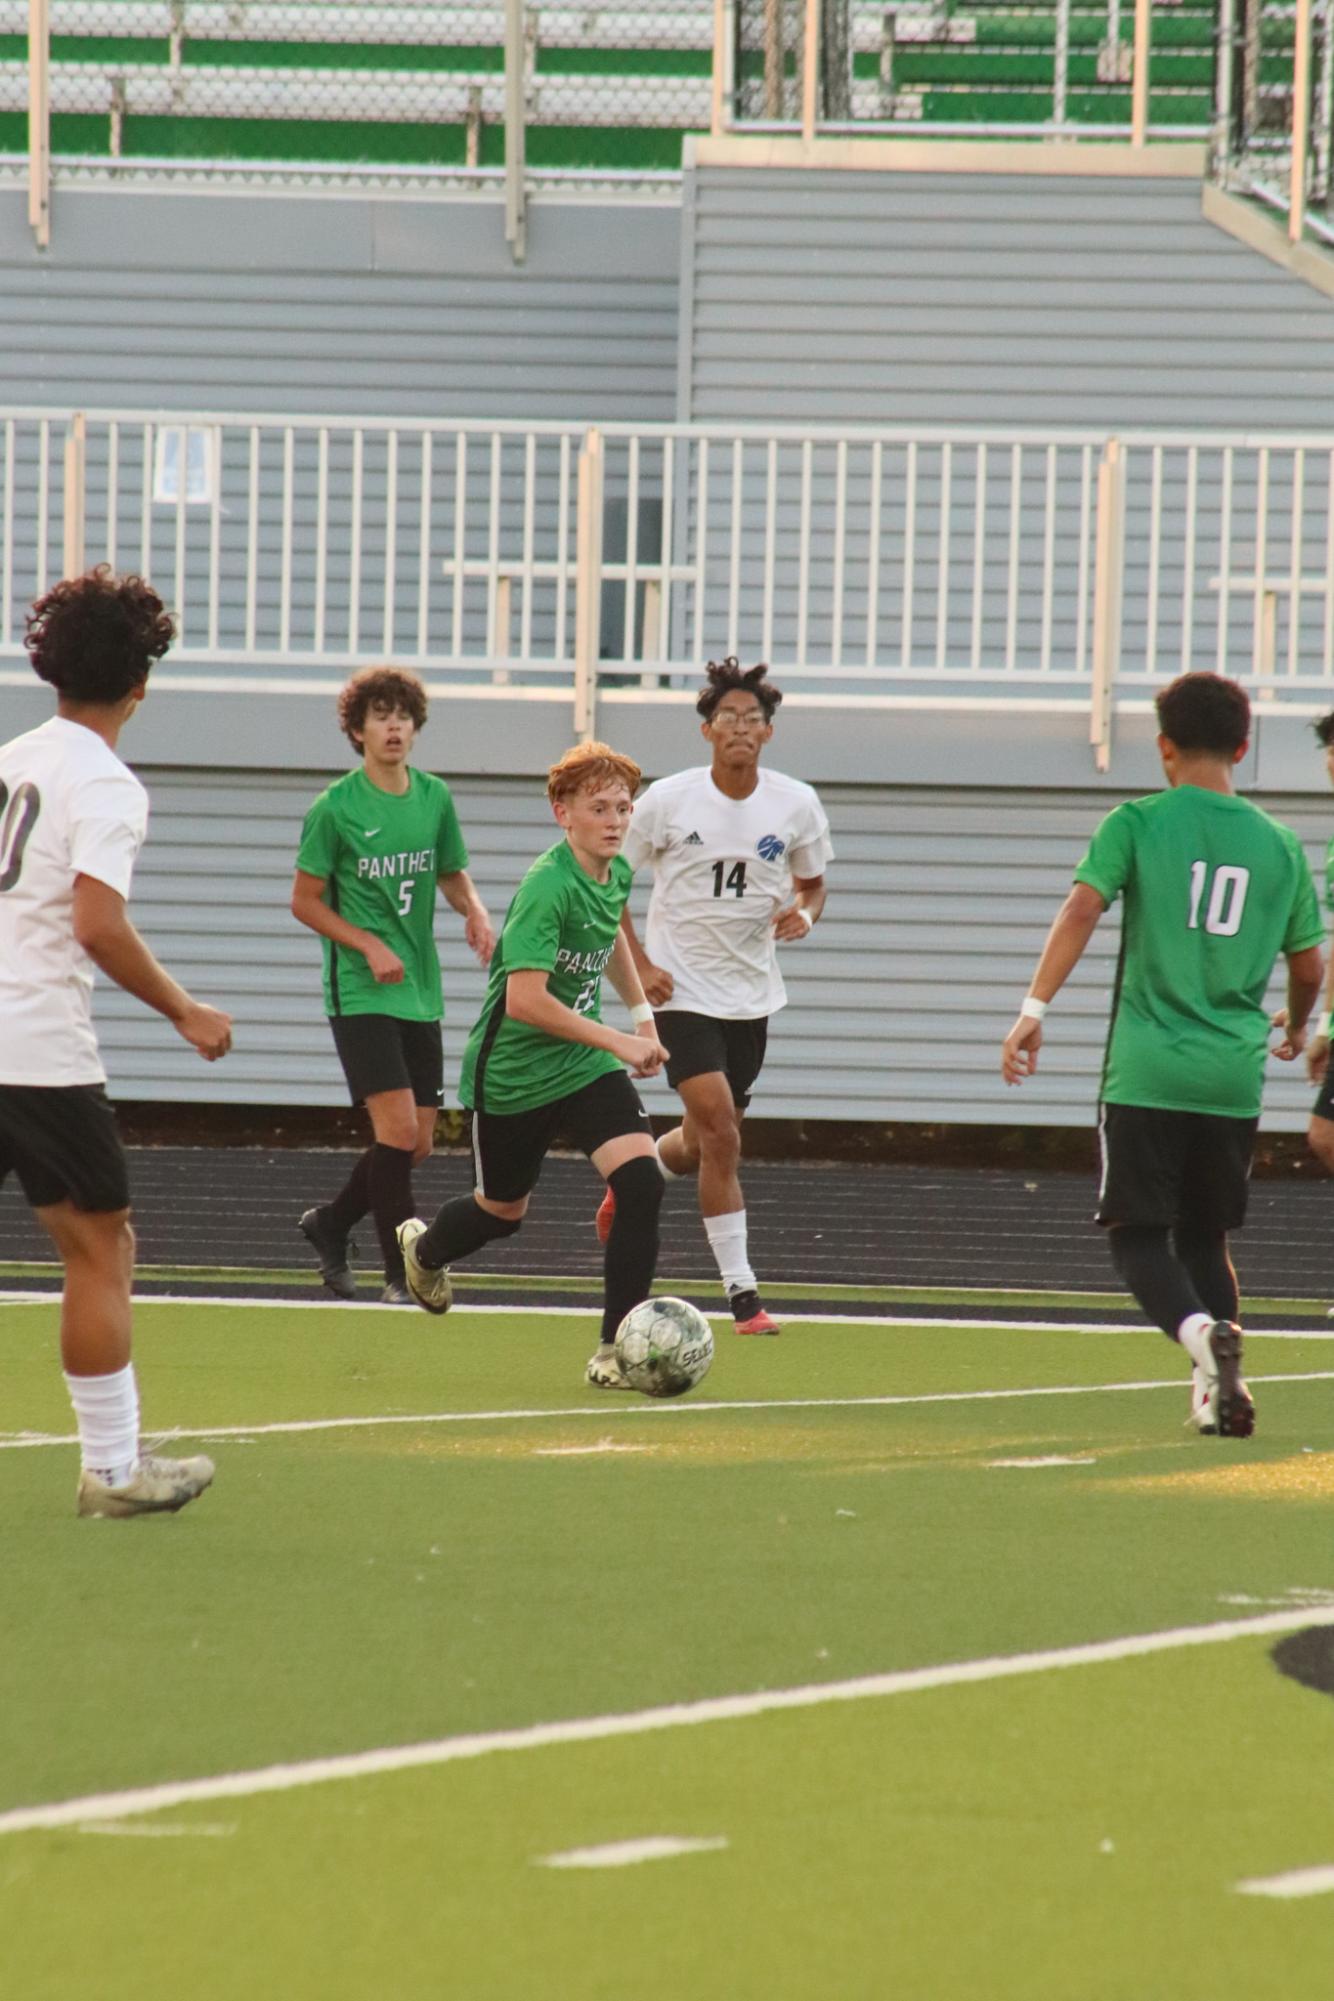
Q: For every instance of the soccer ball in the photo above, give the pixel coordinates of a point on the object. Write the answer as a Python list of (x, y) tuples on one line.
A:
[(664, 1347)]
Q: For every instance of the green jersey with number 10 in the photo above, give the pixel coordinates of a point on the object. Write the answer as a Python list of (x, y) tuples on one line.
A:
[(564, 924), (1214, 890)]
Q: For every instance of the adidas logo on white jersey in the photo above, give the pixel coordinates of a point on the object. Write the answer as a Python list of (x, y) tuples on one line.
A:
[(692, 841)]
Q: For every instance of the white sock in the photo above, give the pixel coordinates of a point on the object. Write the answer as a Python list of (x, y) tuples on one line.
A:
[(668, 1174), (1193, 1334), (727, 1238), (107, 1410)]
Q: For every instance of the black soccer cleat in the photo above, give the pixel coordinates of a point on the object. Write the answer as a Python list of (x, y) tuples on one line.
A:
[(330, 1246), (1236, 1409)]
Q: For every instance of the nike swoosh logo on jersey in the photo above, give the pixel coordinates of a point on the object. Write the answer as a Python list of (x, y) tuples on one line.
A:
[(371, 832)]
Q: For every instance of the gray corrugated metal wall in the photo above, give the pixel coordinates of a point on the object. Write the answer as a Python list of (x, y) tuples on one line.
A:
[(340, 304), (940, 901), (868, 298)]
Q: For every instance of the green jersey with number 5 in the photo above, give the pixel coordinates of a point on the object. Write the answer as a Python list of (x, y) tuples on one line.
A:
[(379, 854), (564, 924), (1214, 890)]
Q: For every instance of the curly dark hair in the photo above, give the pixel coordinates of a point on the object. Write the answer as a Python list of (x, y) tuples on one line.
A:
[(727, 675), (95, 637), (389, 687), (1205, 712), (1324, 729)]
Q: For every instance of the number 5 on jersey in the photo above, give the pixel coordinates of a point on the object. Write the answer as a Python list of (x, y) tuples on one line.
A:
[(1226, 901)]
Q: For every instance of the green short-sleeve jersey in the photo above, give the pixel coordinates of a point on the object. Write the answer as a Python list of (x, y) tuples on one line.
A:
[(379, 854), (1214, 890), (562, 923), (1329, 876)]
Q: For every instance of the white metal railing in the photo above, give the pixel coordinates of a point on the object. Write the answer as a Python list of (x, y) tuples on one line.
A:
[(553, 561)]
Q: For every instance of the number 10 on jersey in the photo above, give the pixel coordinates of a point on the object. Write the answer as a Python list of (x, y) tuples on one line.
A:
[(1226, 901)]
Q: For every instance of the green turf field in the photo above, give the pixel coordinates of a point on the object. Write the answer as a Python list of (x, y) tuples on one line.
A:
[(500, 1549)]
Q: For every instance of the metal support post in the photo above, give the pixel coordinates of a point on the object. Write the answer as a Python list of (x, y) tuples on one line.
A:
[(1301, 120), (1139, 88), (1061, 64), (718, 121), (810, 70), (1221, 136), (73, 553), (39, 121), (588, 585), (1108, 574), (516, 209)]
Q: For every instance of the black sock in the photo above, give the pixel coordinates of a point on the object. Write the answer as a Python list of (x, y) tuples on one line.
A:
[(632, 1247), (353, 1199), (390, 1180), (1155, 1275), (461, 1227), (1204, 1253)]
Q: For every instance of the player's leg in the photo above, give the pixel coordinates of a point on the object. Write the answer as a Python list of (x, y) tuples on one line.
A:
[(508, 1150), (328, 1226), (607, 1121), (1144, 1156), (1320, 1132), (403, 1121), (716, 1106), (67, 1151), (1214, 1194)]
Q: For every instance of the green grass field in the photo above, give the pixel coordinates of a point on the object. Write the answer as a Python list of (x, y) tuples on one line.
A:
[(500, 1549)]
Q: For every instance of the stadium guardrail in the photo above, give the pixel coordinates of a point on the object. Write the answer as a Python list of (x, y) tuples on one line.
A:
[(553, 561)]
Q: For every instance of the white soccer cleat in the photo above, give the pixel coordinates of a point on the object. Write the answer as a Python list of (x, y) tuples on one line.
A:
[(1220, 1403), (156, 1487), (429, 1287), (604, 1370), (1203, 1403)]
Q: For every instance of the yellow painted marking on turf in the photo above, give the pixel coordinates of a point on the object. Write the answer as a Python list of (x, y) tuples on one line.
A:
[(585, 1451), (1306, 1476)]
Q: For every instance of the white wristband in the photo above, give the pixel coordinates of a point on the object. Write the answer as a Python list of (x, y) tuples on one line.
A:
[(1322, 1027), (1034, 1009), (805, 916), (641, 1012)]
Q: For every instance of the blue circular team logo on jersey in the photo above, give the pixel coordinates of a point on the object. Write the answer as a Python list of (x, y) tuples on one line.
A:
[(769, 847)]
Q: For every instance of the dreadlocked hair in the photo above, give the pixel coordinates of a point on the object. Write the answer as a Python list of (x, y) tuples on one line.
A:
[(727, 675)]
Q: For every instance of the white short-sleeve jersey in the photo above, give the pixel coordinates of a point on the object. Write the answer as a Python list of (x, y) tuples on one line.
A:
[(68, 807), (722, 869)]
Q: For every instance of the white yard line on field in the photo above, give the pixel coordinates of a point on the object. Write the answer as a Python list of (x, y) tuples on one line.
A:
[(621, 1854), (675, 1716), (26, 1441), (1294, 1883)]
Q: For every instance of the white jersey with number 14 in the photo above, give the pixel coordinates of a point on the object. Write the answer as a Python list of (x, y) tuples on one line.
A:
[(722, 870)]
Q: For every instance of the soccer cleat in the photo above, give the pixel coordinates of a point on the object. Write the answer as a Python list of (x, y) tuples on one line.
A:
[(429, 1286), (749, 1315), (396, 1295), (1233, 1406), (602, 1221), (604, 1370), (330, 1246), (1203, 1417), (156, 1487)]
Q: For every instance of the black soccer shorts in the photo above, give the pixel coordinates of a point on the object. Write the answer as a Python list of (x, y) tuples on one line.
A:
[(65, 1146), (379, 1052), (1161, 1169), (508, 1148), (699, 1044), (1323, 1108)]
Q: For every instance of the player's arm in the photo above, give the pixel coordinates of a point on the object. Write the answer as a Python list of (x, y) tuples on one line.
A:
[(796, 919), (309, 908), (1075, 923), (530, 1000), (1304, 975), (624, 976), (102, 927), (459, 893), (658, 983), (1317, 1049)]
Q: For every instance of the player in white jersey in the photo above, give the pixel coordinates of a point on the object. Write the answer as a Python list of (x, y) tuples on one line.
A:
[(738, 857), (72, 820)]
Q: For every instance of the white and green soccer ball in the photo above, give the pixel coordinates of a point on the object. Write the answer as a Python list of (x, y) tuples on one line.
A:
[(664, 1347)]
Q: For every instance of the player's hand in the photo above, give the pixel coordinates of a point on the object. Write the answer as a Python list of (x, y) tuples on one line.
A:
[(479, 934), (1294, 1039), (1019, 1051), (642, 1051), (386, 965), (790, 925), (1317, 1057), (658, 984), (206, 1029)]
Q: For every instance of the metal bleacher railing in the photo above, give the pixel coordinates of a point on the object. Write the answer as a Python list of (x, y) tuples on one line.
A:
[(1060, 568)]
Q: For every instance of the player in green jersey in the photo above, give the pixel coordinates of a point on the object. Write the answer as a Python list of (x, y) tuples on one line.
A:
[(1213, 891), (374, 848), (1319, 1055), (542, 1064)]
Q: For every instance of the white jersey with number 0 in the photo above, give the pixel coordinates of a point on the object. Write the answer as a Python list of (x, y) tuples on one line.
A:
[(722, 870), (68, 807)]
